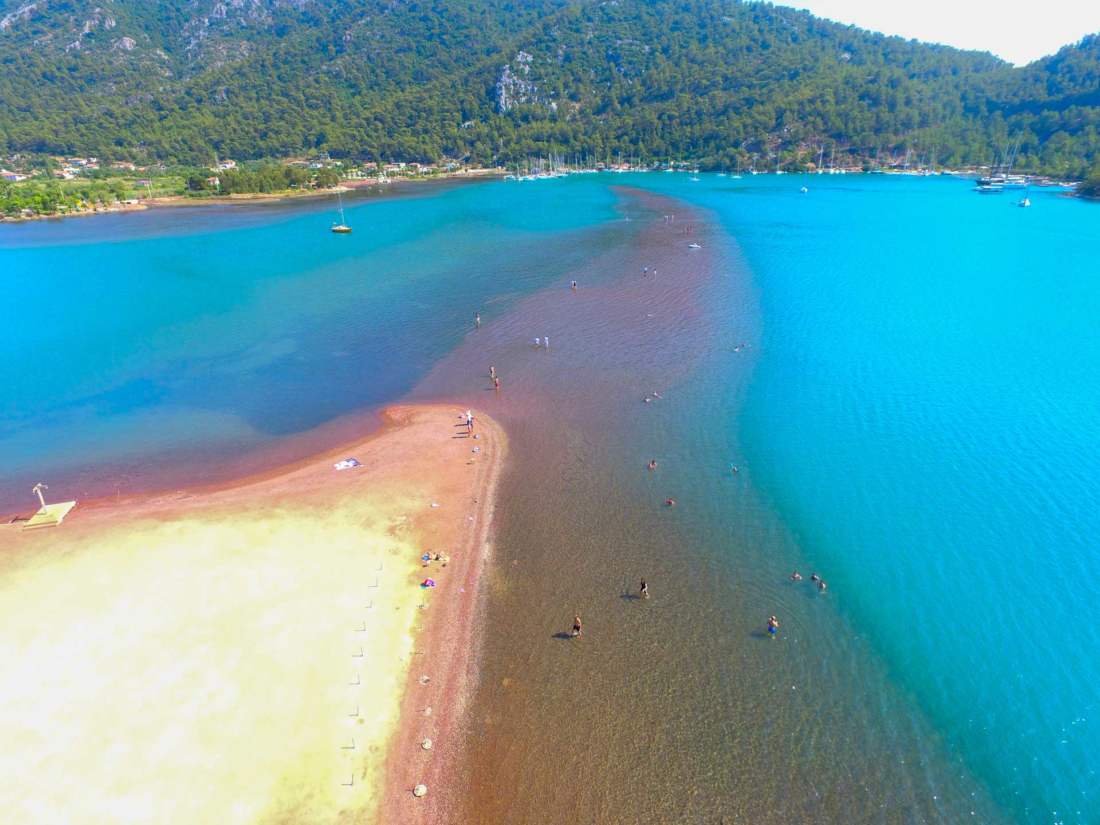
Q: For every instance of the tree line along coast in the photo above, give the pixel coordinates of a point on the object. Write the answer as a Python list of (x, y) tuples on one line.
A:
[(58, 187)]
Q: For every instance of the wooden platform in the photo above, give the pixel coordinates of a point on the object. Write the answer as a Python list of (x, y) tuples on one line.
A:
[(50, 516)]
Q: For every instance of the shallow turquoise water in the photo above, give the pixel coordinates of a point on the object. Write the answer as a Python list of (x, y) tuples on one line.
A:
[(917, 418), (926, 419)]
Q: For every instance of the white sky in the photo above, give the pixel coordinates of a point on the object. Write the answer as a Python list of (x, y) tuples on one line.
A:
[(1017, 31)]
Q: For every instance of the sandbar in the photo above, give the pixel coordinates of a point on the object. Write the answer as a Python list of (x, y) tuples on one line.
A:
[(240, 654)]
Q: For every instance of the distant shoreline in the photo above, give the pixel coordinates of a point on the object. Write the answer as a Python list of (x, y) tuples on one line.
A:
[(172, 201)]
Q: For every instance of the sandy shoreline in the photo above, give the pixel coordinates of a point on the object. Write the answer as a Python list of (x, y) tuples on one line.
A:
[(448, 647), (239, 653)]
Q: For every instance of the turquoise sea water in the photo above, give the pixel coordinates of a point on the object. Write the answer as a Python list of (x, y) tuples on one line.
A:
[(916, 416)]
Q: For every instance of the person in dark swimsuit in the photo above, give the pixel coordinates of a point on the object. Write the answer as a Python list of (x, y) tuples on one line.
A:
[(577, 629), (644, 590)]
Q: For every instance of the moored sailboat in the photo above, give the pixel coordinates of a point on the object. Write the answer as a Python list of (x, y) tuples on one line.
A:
[(341, 228)]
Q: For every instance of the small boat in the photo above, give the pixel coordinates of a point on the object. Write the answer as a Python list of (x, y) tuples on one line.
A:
[(1025, 201), (694, 246), (803, 190), (341, 228)]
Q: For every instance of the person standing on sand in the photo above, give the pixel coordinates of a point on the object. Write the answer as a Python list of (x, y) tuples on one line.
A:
[(496, 384), (577, 629), (643, 591), (573, 286), (492, 372), (477, 320)]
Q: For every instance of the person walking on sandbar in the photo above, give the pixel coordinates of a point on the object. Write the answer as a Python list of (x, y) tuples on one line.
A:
[(577, 629), (644, 590)]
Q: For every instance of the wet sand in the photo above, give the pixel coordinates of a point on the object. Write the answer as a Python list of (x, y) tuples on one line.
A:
[(677, 708), (239, 654)]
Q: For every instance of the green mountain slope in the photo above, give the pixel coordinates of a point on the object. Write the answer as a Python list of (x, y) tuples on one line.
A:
[(716, 80)]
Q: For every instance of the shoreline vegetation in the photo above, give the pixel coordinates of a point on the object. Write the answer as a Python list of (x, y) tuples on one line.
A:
[(42, 196), (72, 187), (268, 636)]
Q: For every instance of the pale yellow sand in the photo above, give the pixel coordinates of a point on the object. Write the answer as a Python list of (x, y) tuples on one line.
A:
[(191, 660)]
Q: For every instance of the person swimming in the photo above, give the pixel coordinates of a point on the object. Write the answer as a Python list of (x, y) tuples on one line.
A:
[(670, 502), (653, 464), (821, 585), (796, 576), (814, 577)]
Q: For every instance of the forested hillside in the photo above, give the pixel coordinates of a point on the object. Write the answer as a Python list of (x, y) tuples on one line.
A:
[(716, 81)]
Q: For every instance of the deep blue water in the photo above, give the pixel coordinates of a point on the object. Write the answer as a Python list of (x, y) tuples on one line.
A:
[(917, 417)]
